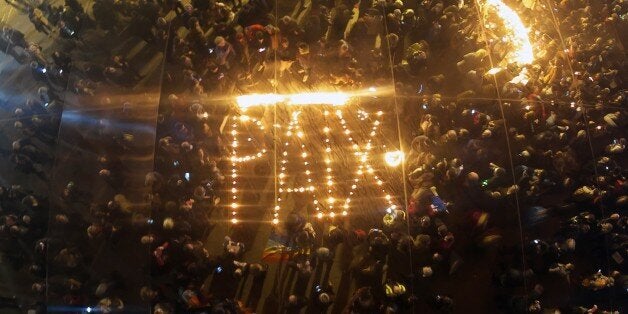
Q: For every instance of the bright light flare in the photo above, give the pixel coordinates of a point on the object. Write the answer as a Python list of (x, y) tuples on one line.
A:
[(393, 158), (245, 101), (518, 33), (494, 71), (300, 99), (334, 99)]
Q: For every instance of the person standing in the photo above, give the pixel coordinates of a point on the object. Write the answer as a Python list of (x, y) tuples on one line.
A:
[(287, 55), (38, 19), (224, 52)]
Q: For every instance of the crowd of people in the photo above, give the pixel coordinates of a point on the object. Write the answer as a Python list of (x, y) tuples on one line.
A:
[(519, 166)]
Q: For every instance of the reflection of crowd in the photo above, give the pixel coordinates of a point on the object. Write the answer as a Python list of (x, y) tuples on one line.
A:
[(526, 161)]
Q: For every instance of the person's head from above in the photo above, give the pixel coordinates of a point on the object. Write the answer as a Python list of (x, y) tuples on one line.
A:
[(102, 159), (303, 48), (147, 293), (10, 220), (422, 240), (323, 252), (62, 219), (398, 289), (606, 227), (270, 29), (396, 14), (187, 146), (238, 272), (168, 223), (259, 35), (286, 19), (256, 269), (220, 41), (344, 47), (442, 230), (16, 145), (427, 271), (324, 298), (113, 205), (147, 239), (285, 42), (499, 172), (38, 287), (425, 221), (292, 299)]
